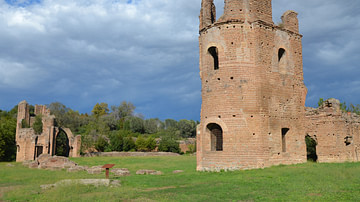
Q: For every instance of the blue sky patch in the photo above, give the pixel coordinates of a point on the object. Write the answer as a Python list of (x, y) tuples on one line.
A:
[(22, 3)]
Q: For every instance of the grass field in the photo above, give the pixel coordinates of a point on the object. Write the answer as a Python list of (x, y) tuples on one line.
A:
[(303, 182)]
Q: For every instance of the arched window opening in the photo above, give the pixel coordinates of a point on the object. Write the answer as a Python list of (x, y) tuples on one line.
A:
[(213, 51), (284, 131), (311, 148), (281, 54), (62, 145), (216, 135)]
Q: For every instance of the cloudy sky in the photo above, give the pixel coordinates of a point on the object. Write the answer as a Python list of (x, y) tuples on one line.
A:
[(81, 52)]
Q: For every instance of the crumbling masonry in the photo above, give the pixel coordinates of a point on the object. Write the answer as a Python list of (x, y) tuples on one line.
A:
[(31, 145), (253, 94)]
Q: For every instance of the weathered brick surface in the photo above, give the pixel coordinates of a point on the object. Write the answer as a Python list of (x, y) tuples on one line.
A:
[(255, 93), (30, 145), (337, 133)]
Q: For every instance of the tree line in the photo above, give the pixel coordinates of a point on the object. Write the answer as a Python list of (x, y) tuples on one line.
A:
[(115, 128)]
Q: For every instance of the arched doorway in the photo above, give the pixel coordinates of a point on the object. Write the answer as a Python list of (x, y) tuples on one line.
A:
[(311, 148), (62, 144), (216, 136)]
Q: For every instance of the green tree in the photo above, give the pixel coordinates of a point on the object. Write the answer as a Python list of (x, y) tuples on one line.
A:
[(7, 138), (58, 110), (170, 123), (100, 109), (125, 109), (136, 124), (38, 125), (187, 128), (151, 126)]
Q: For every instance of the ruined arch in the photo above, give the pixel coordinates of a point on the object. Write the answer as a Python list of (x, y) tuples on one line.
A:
[(216, 136), (62, 144)]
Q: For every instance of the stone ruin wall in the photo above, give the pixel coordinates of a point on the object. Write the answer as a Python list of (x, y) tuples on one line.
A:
[(336, 132), (30, 145), (253, 93)]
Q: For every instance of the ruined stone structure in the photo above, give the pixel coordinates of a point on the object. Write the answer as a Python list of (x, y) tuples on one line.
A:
[(31, 145), (337, 133), (253, 94)]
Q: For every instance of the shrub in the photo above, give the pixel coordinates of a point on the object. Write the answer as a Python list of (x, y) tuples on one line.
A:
[(168, 144), (141, 144), (24, 124), (101, 144), (38, 125), (150, 143), (129, 144), (192, 148)]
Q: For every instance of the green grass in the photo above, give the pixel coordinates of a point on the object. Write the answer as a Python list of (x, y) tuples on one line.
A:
[(303, 182)]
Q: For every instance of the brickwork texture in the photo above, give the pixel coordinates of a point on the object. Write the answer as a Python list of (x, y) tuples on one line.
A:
[(253, 92)]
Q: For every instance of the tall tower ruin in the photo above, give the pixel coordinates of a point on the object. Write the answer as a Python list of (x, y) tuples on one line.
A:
[(253, 94)]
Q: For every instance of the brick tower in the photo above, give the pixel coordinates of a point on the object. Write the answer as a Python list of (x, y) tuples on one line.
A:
[(253, 94)]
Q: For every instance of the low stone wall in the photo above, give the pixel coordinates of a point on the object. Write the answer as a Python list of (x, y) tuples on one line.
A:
[(123, 154)]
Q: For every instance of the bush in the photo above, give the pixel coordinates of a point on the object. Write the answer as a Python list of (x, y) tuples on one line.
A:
[(141, 144), (192, 148), (24, 124), (129, 144), (101, 144), (38, 125), (169, 145), (145, 145), (116, 141), (150, 143)]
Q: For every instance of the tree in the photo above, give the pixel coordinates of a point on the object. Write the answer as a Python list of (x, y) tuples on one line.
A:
[(170, 123), (7, 138), (187, 128), (38, 125), (58, 110), (125, 109), (100, 109), (136, 124), (151, 126)]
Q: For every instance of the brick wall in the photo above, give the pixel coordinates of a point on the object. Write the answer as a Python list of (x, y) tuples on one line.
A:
[(253, 95)]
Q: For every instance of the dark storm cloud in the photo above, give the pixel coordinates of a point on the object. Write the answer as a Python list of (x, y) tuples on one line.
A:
[(84, 52)]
